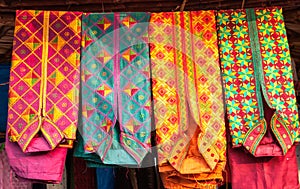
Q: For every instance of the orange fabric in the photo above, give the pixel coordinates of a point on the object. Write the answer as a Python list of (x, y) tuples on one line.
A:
[(193, 163)]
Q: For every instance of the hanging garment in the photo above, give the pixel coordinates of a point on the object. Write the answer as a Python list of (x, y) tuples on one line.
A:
[(8, 179), (116, 87), (44, 80), (187, 92), (4, 78), (256, 67)]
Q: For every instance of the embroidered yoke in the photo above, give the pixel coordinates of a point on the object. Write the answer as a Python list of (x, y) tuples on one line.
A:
[(256, 67), (44, 80), (187, 92), (116, 95)]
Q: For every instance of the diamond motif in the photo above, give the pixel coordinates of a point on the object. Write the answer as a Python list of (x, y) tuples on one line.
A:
[(162, 91), (212, 88), (31, 78), (56, 77), (28, 114), (199, 27), (57, 42), (104, 23), (132, 107), (172, 100), (204, 98), (132, 125), (129, 55), (172, 119), (64, 105), (104, 90), (63, 122), (32, 60), (128, 21), (164, 129), (103, 106), (130, 89), (211, 70), (33, 43), (141, 97), (106, 124), (104, 56), (202, 79), (141, 115)]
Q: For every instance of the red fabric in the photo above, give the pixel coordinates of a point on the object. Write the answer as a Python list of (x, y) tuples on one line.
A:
[(249, 172)]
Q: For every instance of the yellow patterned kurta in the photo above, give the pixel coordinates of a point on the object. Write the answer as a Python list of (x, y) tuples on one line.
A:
[(188, 105)]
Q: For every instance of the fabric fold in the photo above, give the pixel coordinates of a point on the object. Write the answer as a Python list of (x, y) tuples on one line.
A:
[(257, 75)]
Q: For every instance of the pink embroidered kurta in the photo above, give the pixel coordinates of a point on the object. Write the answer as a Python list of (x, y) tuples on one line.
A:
[(44, 80)]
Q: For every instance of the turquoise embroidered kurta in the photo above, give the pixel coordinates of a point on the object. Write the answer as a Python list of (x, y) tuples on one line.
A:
[(116, 94)]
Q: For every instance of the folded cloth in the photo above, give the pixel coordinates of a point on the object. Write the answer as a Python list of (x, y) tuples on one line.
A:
[(47, 167), (8, 179)]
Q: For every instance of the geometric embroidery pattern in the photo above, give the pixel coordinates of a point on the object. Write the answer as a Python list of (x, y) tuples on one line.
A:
[(44, 81), (116, 90), (187, 86), (256, 64)]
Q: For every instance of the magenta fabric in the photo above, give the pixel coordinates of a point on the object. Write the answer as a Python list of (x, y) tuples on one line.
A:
[(8, 179), (45, 167)]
